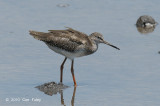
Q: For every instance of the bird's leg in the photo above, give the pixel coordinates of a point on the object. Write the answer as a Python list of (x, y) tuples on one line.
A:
[(72, 71), (61, 73)]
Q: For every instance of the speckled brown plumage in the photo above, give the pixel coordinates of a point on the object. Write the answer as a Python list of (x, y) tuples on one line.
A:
[(69, 40), (71, 44)]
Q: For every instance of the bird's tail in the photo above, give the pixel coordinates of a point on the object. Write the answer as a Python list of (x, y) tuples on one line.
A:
[(38, 35)]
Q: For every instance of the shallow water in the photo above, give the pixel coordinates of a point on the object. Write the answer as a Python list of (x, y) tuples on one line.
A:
[(129, 77)]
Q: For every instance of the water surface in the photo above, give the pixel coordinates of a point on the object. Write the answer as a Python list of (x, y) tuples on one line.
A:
[(129, 77)]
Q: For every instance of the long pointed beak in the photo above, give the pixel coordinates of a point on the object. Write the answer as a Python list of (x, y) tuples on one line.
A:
[(110, 45)]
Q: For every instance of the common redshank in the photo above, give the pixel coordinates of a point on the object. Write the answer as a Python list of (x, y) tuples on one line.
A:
[(71, 44)]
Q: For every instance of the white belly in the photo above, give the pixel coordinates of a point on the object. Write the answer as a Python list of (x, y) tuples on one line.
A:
[(70, 55), (149, 25)]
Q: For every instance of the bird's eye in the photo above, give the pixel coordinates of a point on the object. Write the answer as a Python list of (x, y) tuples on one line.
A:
[(99, 37)]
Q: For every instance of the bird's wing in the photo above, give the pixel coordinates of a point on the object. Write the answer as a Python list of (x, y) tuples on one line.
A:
[(68, 39)]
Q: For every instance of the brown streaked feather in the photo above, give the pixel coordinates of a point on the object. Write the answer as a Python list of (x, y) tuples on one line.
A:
[(69, 39)]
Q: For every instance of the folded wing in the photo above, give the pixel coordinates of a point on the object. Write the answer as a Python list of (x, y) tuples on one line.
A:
[(69, 40)]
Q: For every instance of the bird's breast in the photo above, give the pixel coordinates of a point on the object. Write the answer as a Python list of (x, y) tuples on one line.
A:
[(69, 54)]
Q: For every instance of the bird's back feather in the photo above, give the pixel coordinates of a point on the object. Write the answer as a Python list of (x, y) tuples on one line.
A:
[(69, 39)]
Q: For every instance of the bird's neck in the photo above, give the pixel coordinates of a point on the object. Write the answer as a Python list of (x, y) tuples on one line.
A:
[(94, 46)]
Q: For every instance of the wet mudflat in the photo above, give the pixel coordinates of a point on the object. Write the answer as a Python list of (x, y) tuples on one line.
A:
[(129, 77)]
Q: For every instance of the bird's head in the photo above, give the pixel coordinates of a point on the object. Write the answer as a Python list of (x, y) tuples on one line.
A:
[(98, 38)]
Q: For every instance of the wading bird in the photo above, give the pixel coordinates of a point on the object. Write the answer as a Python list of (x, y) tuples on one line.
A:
[(71, 44)]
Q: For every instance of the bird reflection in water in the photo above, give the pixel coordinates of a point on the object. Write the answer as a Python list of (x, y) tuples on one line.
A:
[(72, 100), (144, 30), (53, 88)]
